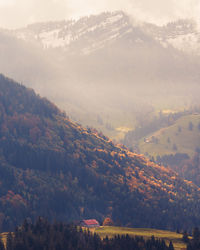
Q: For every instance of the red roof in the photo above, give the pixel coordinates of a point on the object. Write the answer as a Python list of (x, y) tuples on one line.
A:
[(91, 222)]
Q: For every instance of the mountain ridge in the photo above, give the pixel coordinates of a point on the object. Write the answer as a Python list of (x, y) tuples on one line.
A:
[(182, 34), (65, 33)]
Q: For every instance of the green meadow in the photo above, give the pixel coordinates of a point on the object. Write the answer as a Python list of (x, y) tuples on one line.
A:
[(146, 233), (181, 137)]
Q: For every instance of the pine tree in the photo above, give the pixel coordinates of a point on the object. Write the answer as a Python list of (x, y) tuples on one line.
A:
[(185, 237), (171, 247), (9, 242), (1, 245)]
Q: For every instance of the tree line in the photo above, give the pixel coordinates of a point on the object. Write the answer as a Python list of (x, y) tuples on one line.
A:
[(58, 236)]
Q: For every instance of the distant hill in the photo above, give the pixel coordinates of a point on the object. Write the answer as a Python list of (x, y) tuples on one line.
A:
[(181, 137), (52, 167)]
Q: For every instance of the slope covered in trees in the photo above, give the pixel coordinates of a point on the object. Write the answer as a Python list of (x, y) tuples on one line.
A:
[(51, 167), (187, 168)]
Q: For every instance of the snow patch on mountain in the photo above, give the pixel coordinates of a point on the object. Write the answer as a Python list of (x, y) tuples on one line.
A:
[(183, 35), (92, 33), (189, 43)]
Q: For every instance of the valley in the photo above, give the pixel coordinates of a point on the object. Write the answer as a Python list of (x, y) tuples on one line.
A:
[(73, 62), (100, 118)]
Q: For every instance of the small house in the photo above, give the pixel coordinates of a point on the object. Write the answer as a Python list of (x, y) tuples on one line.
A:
[(90, 223)]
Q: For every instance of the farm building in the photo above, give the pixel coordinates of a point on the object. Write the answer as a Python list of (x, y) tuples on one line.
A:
[(90, 223)]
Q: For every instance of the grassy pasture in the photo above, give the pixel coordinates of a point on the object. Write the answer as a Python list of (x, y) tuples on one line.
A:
[(186, 140), (146, 233)]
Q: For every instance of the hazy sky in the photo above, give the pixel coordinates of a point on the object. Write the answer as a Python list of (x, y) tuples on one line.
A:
[(17, 13)]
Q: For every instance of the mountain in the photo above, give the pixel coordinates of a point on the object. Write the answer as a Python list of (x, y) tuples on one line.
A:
[(182, 34), (95, 32), (52, 167), (84, 36), (107, 67)]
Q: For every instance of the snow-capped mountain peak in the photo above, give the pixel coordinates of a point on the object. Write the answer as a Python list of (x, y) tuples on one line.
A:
[(88, 34), (92, 32)]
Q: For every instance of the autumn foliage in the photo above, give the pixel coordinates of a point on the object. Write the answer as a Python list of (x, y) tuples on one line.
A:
[(108, 222), (51, 166)]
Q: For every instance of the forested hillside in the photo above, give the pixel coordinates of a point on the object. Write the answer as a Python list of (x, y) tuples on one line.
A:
[(51, 167)]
